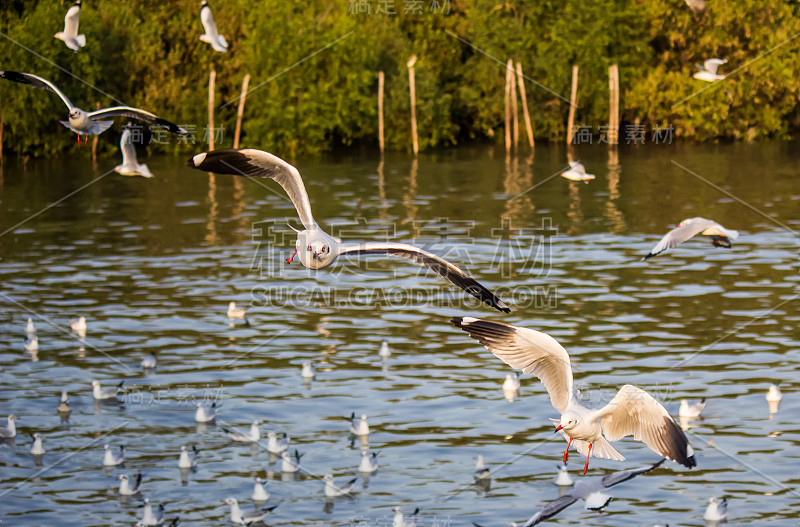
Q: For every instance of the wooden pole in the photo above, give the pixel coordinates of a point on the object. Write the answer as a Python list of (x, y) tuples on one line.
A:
[(380, 110), (573, 103), (514, 107), (95, 139), (1, 138), (414, 142), (508, 110), (211, 77), (525, 114), (613, 104), (237, 133)]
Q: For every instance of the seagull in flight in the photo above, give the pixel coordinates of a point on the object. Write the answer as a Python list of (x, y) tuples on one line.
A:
[(211, 35), (708, 70), (316, 248), (70, 35), (89, 123), (130, 165), (577, 172), (720, 236), (631, 412)]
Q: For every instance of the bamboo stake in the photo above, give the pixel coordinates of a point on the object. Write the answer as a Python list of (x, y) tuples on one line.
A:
[(95, 139), (508, 110), (524, 98), (380, 110), (613, 104), (573, 103), (211, 78), (514, 107), (237, 133), (414, 142), (1, 137)]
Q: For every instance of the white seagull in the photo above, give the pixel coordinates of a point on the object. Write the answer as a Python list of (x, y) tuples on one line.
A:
[(236, 312), (260, 493), (150, 516), (481, 471), (717, 510), (125, 486), (358, 427), (403, 521), (708, 70), (720, 236), (100, 393), (149, 362), (240, 517), (308, 371), (30, 329), (577, 172), (563, 478), (211, 35), (205, 415), (78, 326), (7, 432), (511, 383), (774, 397), (316, 248), (70, 35), (632, 411), (37, 449), (110, 459), (687, 411), (332, 490), (369, 462), (187, 459), (384, 352), (245, 437), (63, 406), (89, 123), (130, 165), (290, 465), (275, 445), (31, 344)]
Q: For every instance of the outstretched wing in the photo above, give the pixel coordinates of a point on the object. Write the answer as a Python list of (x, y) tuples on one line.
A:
[(551, 509), (436, 264), (207, 18), (37, 82), (616, 478), (257, 163), (634, 412), (71, 21), (712, 64), (678, 235), (137, 113), (128, 150), (527, 350)]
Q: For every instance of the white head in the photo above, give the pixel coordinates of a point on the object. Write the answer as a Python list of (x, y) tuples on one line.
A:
[(315, 249), (569, 420), (12, 418), (230, 501), (232, 305), (123, 477), (105, 447), (363, 417), (328, 478)]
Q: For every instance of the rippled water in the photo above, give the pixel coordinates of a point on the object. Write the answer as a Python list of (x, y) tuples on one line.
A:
[(153, 263)]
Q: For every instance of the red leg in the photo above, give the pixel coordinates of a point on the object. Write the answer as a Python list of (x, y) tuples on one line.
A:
[(289, 259), (566, 452), (586, 465)]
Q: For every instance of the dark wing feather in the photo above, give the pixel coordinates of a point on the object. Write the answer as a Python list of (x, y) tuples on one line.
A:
[(35, 81), (137, 113), (551, 509), (616, 478)]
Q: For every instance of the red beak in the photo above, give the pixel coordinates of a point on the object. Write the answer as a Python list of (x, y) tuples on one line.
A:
[(559, 427)]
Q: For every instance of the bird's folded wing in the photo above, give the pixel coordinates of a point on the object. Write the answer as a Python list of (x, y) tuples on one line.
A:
[(634, 412), (679, 235), (35, 81), (616, 478), (551, 509), (137, 113), (257, 163), (527, 350)]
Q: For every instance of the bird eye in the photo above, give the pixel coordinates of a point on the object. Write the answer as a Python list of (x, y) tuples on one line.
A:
[(309, 248), (324, 248)]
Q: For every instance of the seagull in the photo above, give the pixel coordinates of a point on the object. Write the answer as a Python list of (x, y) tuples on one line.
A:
[(632, 411), (101, 393), (11, 430), (246, 518), (358, 427), (708, 71), (774, 397), (236, 312), (149, 362), (205, 415), (32, 344), (30, 329), (275, 445), (288, 464), (110, 460), (130, 165), (151, 517), (188, 459), (125, 487), (211, 36), (384, 352), (332, 491), (717, 510), (481, 472), (511, 383), (369, 462), (245, 437), (308, 371), (563, 478), (693, 411), (402, 521), (78, 326), (317, 249), (88, 123), (259, 492), (697, 6), (63, 406), (37, 449), (70, 35), (577, 172), (720, 236)]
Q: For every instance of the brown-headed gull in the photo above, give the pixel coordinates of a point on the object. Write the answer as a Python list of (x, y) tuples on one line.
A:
[(89, 123), (275, 445), (577, 172), (30, 329), (332, 490), (111, 459), (720, 236), (31, 344), (211, 35), (358, 427), (260, 492), (691, 411), (289, 463), (149, 362), (404, 521), (563, 478), (130, 164), (37, 449), (240, 517), (63, 406), (384, 352), (78, 326), (7, 432), (70, 35), (708, 70), (697, 6), (253, 436), (511, 382), (128, 487), (308, 371), (100, 393), (316, 248), (632, 411), (481, 470), (369, 461), (236, 312), (150, 516), (774, 397), (717, 510), (187, 459), (205, 415)]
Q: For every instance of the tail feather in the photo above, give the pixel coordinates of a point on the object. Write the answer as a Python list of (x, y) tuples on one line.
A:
[(603, 449)]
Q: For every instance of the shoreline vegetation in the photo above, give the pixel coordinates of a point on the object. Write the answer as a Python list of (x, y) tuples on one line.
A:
[(314, 69)]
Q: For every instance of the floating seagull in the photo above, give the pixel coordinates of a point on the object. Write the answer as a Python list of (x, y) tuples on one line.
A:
[(110, 459), (188, 459), (288, 464), (333, 491), (511, 383), (402, 521), (70, 35), (632, 411), (30, 329), (150, 516), (708, 71), (236, 312), (774, 397), (63, 406), (384, 352), (245, 437), (717, 510), (32, 344), (205, 415), (563, 478), (37, 449), (307, 371), (78, 326), (211, 35), (149, 362), (358, 427), (693, 411), (88, 123), (259, 491), (369, 462), (275, 445), (11, 430), (720, 236), (125, 487), (481, 471), (317, 249), (130, 165), (246, 518), (577, 172), (101, 393)]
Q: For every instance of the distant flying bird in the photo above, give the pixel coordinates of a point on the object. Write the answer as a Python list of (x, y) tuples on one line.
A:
[(708, 71), (130, 165), (688, 411), (211, 35), (205, 415), (631, 412), (126, 488), (88, 123), (697, 6), (717, 510), (577, 172), (316, 248), (563, 478), (70, 35), (720, 236), (7, 432)]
